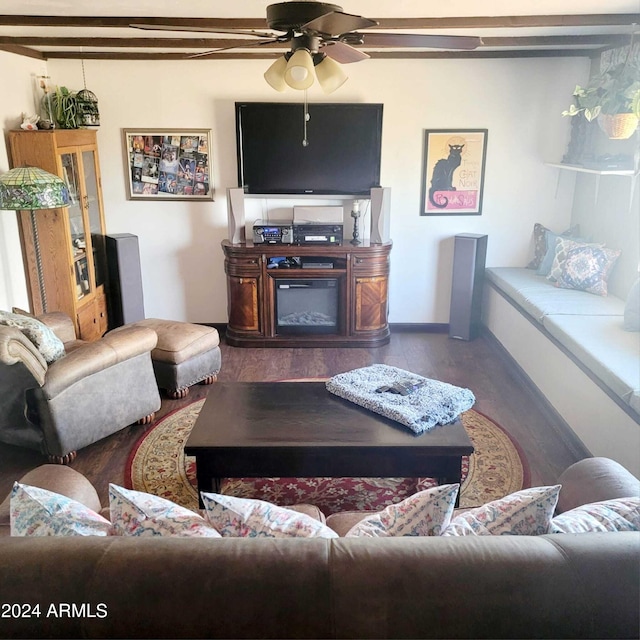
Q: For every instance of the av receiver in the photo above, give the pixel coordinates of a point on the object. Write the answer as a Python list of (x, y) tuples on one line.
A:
[(317, 233), (272, 232)]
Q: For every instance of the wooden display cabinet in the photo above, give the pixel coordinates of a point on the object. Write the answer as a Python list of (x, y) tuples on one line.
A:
[(358, 279), (64, 249)]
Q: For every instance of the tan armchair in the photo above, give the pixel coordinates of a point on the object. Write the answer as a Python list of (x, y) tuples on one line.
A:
[(94, 390)]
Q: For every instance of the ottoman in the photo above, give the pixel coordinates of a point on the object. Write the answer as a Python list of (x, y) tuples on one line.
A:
[(185, 355)]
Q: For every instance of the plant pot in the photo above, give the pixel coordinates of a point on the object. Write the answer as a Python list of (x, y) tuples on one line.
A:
[(619, 126)]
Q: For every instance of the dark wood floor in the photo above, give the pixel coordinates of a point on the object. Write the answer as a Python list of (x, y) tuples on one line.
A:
[(480, 365)]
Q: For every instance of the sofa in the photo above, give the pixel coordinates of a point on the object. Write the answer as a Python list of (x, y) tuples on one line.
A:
[(574, 348), (549, 586), (59, 394)]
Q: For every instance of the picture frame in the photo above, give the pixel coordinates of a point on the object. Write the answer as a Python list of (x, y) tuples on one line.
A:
[(453, 168), (168, 164)]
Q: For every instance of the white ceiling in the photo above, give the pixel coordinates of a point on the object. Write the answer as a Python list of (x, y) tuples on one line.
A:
[(560, 19)]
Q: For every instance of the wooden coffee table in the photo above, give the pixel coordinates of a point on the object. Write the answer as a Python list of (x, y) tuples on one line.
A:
[(299, 429)]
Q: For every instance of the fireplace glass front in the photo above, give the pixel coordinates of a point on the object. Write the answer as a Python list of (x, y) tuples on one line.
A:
[(307, 306)]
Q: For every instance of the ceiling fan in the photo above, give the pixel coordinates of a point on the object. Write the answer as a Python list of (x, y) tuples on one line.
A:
[(321, 36)]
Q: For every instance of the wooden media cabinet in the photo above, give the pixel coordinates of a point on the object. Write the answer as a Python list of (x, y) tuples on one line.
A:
[(357, 276)]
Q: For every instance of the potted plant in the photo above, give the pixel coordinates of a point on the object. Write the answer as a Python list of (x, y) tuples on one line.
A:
[(64, 108), (613, 97)]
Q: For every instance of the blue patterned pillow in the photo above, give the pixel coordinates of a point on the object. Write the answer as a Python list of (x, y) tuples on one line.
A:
[(587, 268), (544, 239), (562, 247), (549, 257), (42, 336)]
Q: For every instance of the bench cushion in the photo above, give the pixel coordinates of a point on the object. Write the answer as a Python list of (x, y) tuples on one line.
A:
[(540, 298), (600, 343)]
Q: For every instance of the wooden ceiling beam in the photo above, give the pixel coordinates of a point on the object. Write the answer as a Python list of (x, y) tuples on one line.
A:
[(23, 51), (606, 19), (389, 55), (214, 43)]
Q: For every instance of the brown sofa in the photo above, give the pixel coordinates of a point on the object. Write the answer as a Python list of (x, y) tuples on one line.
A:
[(549, 586)]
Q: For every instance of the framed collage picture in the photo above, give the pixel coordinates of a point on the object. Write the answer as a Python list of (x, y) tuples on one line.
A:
[(168, 164), (453, 168)]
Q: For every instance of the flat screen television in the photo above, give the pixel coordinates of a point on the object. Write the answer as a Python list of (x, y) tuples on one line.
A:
[(342, 154)]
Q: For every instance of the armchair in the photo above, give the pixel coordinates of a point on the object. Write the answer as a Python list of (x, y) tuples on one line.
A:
[(94, 390)]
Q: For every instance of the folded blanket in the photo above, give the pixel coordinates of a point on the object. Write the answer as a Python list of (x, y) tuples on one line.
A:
[(432, 404)]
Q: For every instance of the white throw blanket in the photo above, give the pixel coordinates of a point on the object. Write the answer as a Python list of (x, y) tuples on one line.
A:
[(432, 404)]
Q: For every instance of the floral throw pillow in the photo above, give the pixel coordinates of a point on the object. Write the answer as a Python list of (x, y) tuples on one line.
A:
[(524, 513), (248, 518), (43, 337), (426, 513), (621, 514), (587, 269), (560, 252), (38, 512), (134, 513)]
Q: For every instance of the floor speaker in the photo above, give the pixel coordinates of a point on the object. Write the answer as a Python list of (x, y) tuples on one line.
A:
[(125, 299), (235, 215), (380, 215), (470, 252)]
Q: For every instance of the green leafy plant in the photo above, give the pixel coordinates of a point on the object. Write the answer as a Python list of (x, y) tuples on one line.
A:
[(62, 108), (615, 91)]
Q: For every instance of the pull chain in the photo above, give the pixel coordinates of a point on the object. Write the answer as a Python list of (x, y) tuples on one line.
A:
[(305, 142), (84, 80)]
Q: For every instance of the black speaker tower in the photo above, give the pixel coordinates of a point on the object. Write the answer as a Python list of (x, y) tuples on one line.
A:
[(470, 252), (125, 299)]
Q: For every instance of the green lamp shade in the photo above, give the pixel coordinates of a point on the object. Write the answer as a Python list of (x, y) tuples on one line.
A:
[(32, 188)]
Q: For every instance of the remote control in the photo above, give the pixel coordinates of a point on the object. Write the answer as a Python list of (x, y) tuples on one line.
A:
[(402, 387)]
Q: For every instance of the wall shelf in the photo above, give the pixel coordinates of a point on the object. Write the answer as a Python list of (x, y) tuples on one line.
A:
[(598, 172), (629, 173)]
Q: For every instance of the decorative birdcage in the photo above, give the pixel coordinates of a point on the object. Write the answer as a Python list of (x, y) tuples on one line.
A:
[(87, 109)]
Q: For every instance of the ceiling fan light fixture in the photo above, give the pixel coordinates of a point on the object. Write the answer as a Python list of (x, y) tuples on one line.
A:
[(274, 75), (299, 72), (330, 74)]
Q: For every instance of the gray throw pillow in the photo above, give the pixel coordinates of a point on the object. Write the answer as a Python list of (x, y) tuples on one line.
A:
[(632, 309), (541, 244), (44, 339), (544, 268)]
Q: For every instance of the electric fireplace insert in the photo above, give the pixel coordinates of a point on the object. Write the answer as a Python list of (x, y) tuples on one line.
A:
[(307, 305)]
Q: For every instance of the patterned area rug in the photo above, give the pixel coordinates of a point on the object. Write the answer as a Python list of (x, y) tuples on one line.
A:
[(157, 465)]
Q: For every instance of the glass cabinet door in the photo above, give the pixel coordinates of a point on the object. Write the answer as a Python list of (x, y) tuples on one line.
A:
[(76, 224), (92, 204)]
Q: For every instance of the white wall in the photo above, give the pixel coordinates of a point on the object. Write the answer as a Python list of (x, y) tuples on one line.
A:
[(518, 101), (17, 77)]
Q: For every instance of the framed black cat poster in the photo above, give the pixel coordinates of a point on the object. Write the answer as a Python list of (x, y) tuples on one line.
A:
[(453, 172)]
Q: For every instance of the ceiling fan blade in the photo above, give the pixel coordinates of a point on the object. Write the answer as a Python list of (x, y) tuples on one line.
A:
[(336, 22), (170, 27), (242, 44), (343, 53), (419, 40)]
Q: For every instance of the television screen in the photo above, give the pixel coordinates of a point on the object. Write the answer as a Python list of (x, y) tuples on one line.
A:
[(341, 154)]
